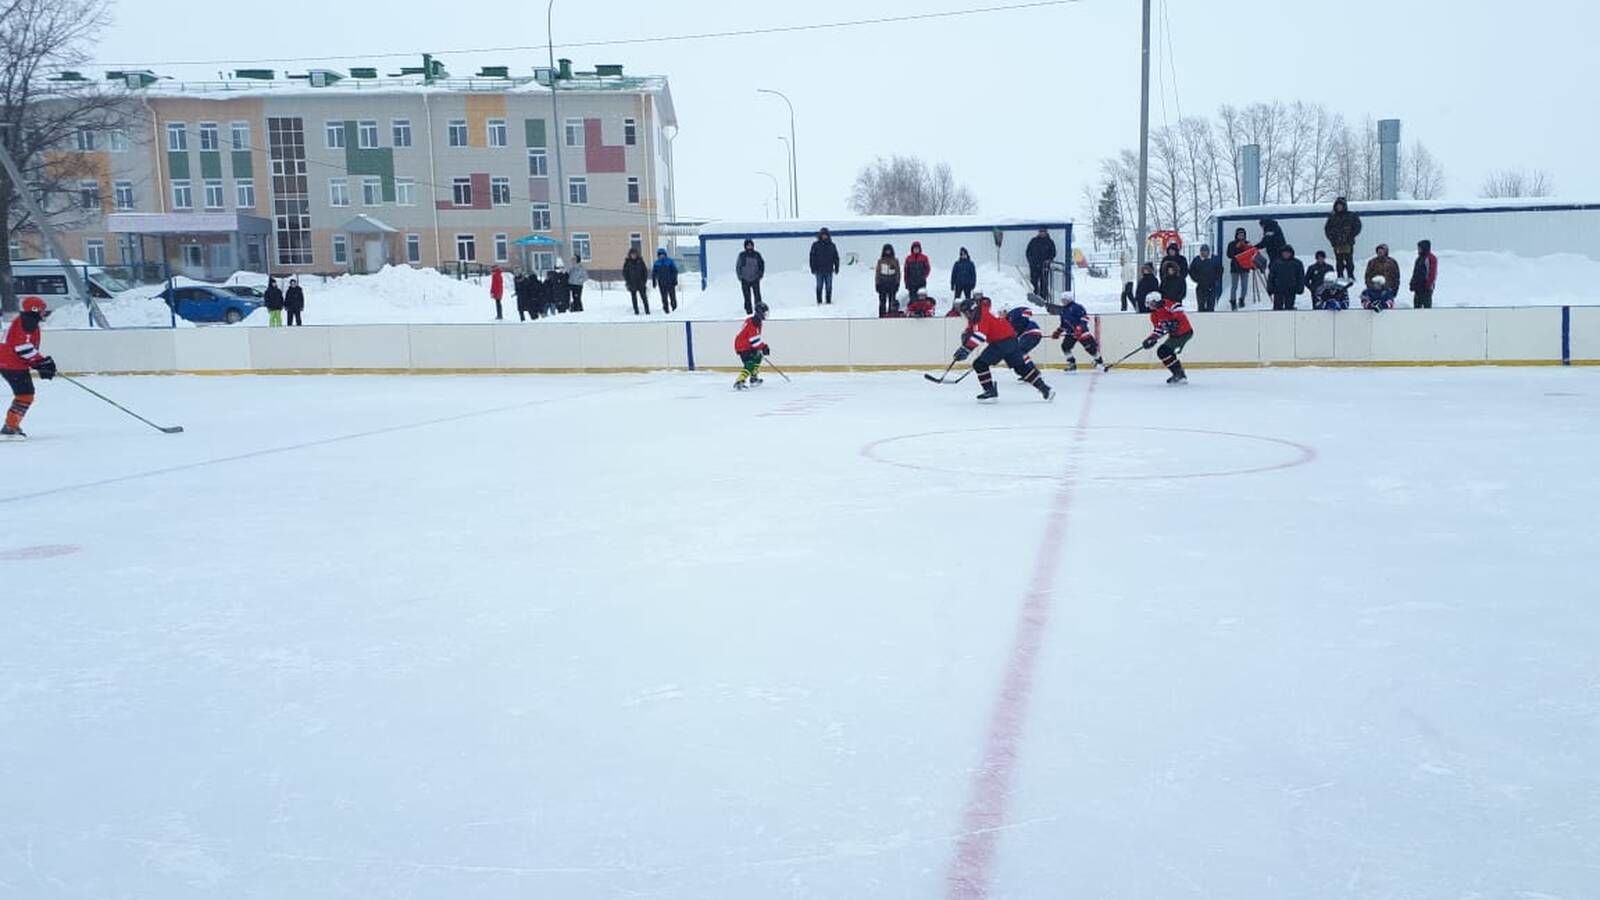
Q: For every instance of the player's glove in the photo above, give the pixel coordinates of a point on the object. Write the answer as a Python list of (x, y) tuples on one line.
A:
[(1149, 342), (962, 353), (765, 350), (46, 368), (1057, 334)]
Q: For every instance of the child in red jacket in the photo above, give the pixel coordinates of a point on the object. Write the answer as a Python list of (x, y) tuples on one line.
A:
[(19, 356), (1172, 323)]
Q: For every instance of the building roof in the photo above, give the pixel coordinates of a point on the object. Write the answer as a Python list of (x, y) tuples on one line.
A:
[(1476, 204), (186, 223), (875, 224)]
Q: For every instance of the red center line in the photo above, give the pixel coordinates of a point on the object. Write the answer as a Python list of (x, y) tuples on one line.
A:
[(972, 870)]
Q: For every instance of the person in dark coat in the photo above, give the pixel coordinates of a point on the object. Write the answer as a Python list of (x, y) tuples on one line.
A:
[(1174, 283), (1341, 230), (963, 277), (294, 302), (1239, 276), (636, 276), (1175, 253), (528, 309), (558, 291), (519, 292), (1316, 271), (1148, 284), (1206, 272), (1286, 279), (1424, 275), (1041, 253), (1272, 241), (824, 264), (273, 301), (750, 268), (886, 278), (664, 275), (916, 269), (1385, 265)]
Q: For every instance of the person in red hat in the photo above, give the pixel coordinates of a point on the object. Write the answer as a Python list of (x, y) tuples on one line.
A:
[(19, 357)]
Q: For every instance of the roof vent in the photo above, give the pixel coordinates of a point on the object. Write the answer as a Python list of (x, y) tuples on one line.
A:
[(566, 69), (610, 70), (494, 72), (69, 76), (135, 79), (257, 74), (544, 75), (363, 72)]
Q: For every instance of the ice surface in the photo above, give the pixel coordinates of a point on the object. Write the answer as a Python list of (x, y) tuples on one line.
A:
[(621, 636)]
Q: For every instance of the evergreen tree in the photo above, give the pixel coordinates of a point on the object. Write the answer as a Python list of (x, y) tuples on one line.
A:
[(1108, 225)]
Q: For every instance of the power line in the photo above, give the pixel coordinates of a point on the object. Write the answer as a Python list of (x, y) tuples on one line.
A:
[(618, 42)]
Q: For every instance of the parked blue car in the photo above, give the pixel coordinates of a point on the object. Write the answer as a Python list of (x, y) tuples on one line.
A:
[(203, 303)]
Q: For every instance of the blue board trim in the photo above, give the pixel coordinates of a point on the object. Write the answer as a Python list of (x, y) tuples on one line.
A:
[(688, 337), (1566, 335), (861, 232)]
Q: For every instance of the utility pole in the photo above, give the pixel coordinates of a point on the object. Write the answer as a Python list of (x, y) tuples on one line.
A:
[(1144, 139), (556, 125)]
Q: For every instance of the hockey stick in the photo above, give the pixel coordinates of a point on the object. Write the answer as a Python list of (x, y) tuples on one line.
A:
[(168, 429), (1125, 358), (775, 368), (942, 376)]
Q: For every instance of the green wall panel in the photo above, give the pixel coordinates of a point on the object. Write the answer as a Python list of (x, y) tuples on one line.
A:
[(177, 165), (243, 164), (210, 164), (535, 130), (378, 161)]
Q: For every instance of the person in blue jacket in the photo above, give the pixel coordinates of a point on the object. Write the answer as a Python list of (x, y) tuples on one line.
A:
[(664, 275), (963, 277), (1074, 330)]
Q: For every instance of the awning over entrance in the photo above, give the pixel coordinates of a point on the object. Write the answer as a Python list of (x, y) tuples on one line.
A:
[(218, 223), (536, 240), (365, 224)]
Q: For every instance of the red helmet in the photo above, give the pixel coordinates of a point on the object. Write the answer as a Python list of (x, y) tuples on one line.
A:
[(34, 305)]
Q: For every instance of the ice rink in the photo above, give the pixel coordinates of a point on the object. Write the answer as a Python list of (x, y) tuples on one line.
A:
[(1278, 634)]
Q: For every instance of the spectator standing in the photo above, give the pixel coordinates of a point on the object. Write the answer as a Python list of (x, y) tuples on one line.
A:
[(917, 268), (497, 290), (1206, 272), (557, 291), (294, 302), (1385, 265), (963, 277), (1316, 271), (273, 300), (1272, 241), (750, 268), (1239, 286), (577, 276), (636, 276), (664, 275), (886, 278), (1148, 284), (1174, 283), (1286, 279), (1423, 276), (824, 264), (1175, 254), (1041, 253), (531, 302), (1341, 229), (1130, 277)]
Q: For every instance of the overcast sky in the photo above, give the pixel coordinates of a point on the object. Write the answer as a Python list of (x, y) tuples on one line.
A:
[(1022, 104)]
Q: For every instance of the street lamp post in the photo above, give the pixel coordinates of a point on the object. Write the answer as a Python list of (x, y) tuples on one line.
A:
[(1144, 138), (790, 148), (776, 203), (794, 149), (560, 132)]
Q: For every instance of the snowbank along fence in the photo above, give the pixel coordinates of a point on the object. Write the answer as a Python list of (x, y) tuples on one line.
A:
[(1512, 336)]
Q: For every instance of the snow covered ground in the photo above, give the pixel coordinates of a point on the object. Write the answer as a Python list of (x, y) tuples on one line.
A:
[(1279, 634), (402, 294)]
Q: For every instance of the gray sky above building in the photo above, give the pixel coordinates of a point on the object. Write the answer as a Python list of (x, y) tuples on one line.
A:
[(1023, 103)]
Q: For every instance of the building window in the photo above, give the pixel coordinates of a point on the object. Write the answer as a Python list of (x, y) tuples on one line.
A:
[(466, 248), (574, 132), (291, 190), (402, 132), (89, 194), (544, 261), (194, 256), (15, 249), (239, 133), (128, 249), (341, 249), (367, 134), (86, 140), (501, 248), (538, 163), (214, 193), (333, 135), (122, 191), (244, 194), (458, 132), (633, 190), (94, 252), (338, 192), (500, 191), (578, 191), (413, 248), (177, 137), (405, 192), (371, 191), (182, 198), (630, 132), (208, 137), (636, 242), (580, 246), (118, 141), (461, 191), (497, 132), (541, 217)]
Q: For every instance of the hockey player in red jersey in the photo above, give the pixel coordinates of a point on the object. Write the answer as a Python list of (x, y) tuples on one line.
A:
[(1171, 323), (984, 327), (751, 347), (19, 356)]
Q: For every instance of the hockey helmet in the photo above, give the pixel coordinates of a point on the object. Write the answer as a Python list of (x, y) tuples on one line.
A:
[(35, 305), (1152, 300), (1330, 278), (760, 311), (970, 306)]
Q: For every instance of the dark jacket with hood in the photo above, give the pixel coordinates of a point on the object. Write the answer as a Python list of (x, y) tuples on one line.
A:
[(824, 256), (664, 274), (750, 266), (273, 299), (1041, 250), (294, 299), (963, 275), (634, 273), (1147, 284), (1174, 280), (1206, 272), (917, 268), (886, 271), (1272, 241), (1177, 257), (1286, 276), (1342, 227), (1236, 247), (1314, 273)]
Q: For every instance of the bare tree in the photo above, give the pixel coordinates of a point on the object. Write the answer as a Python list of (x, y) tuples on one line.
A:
[(905, 186), (44, 117), (1420, 175), (1517, 183)]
